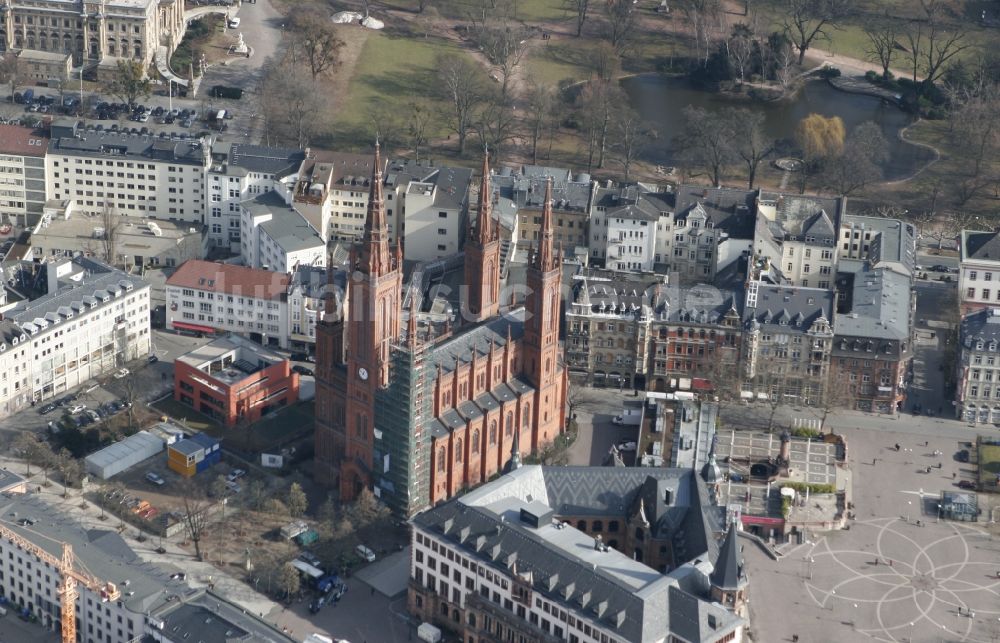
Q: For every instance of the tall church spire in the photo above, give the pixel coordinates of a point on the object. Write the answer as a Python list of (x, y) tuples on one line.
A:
[(375, 257), (545, 258), (485, 230)]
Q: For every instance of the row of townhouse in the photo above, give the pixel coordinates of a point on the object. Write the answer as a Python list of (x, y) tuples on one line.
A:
[(763, 330), (67, 321), (977, 367)]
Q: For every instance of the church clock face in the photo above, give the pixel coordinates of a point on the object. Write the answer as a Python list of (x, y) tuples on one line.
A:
[(363, 373)]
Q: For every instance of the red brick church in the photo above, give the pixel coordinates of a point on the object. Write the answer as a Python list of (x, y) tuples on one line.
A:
[(416, 407)]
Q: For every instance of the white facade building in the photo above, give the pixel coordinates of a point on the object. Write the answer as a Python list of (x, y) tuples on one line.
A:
[(274, 236), (431, 208), (207, 297), (979, 270), (89, 320), (237, 173), (137, 176), (22, 174)]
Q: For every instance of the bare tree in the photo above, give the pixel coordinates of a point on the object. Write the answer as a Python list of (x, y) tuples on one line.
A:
[(750, 141), (806, 21), (461, 82), (28, 447), (631, 136), (579, 9), (314, 40), (882, 43), (931, 44), (129, 82), (504, 45), (496, 125), (703, 16), (838, 393), (420, 120), (621, 24), (287, 581), (599, 101), (976, 123), (860, 162), (9, 73), (195, 515), (296, 501), (290, 104), (707, 140), (541, 110), (740, 48), (111, 223)]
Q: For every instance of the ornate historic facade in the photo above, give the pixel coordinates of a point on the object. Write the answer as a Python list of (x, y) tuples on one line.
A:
[(417, 415), (90, 30)]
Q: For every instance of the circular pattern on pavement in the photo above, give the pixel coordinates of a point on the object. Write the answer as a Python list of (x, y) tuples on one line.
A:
[(906, 582)]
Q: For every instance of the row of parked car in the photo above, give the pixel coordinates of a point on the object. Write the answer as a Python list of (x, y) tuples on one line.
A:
[(138, 506)]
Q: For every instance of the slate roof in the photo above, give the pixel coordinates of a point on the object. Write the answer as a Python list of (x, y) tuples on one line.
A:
[(699, 304), (980, 245), (730, 210), (459, 346), (641, 210), (880, 306), (287, 227), (982, 325), (96, 281), (616, 295), (799, 216), (893, 241), (258, 158), (789, 308), (527, 188), (451, 183), (69, 139), (728, 572), (562, 562)]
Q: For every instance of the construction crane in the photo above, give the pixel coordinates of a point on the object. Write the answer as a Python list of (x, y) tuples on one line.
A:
[(71, 578)]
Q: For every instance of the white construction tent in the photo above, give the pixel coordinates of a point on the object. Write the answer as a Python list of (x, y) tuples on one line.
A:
[(118, 457)]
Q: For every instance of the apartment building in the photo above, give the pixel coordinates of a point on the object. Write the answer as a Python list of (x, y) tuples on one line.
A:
[(579, 554), (628, 234), (129, 599), (705, 232), (979, 271), (787, 341), (883, 243), (94, 32), (697, 332), (331, 192), (234, 381), (137, 176), (274, 236), (431, 208), (977, 377), (307, 288), (872, 345), (608, 328), (572, 199), (239, 172), (22, 174), (74, 320), (798, 235), (209, 297)]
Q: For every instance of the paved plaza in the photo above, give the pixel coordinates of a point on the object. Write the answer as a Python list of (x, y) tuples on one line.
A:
[(888, 577)]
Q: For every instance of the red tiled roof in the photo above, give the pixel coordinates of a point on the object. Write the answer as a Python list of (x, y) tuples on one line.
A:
[(233, 280), (22, 141)]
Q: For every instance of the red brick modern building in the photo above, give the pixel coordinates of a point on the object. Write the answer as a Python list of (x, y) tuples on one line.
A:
[(234, 381)]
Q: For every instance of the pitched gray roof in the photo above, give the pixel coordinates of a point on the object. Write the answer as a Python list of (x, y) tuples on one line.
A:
[(980, 326), (288, 228), (980, 245), (789, 308), (799, 216), (880, 306), (699, 304), (69, 139), (728, 573), (260, 158), (460, 346), (893, 240), (731, 210), (527, 188), (561, 562)]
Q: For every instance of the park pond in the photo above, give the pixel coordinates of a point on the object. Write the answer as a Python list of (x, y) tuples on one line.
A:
[(661, 101)]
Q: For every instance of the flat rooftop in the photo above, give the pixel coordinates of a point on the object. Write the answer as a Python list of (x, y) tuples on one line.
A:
[(230, 360), (133, 238)]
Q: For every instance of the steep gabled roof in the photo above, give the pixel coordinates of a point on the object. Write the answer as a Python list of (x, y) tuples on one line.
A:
[(728, 573)]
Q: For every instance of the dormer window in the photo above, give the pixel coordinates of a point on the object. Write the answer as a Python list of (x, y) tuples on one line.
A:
[(979, 346)]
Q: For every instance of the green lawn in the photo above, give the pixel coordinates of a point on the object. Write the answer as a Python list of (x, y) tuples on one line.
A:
[(391, 71), (553, 61), (989, 464)]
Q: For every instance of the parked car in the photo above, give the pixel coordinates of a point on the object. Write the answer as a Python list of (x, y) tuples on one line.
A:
[(302, 370), (234, 23), (153, 359), (122, 372), (966, 484), (365, 553), (235, 475), (627, 445), (963, 455), (299, 357), (155, 479), (48, 408), (76, 408), (233, 486), (939, 268)]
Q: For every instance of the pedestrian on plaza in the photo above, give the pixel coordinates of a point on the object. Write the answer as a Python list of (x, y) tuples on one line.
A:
[(890, 560), (873, 462), (953, 475)]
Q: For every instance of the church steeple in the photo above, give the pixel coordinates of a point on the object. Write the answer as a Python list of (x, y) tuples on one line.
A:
[(482, 257), (545, 258), (375, 258)]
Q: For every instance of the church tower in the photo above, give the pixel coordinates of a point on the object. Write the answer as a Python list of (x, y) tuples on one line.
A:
[(482, 257), (541, 332), (373, 323), (330, 334)]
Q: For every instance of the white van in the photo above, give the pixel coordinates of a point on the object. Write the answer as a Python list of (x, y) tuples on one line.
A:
[(365, 553), (234, 22)]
